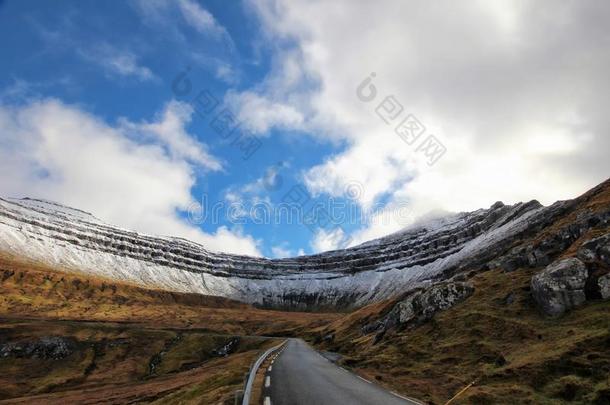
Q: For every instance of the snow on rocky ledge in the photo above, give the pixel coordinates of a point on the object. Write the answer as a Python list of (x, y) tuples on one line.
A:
[(76, 240)]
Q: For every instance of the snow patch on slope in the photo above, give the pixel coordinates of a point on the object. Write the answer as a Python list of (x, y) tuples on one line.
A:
[(76, 240)]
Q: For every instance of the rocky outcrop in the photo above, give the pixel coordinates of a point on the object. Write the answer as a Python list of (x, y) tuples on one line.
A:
[(545, 250), (596, 249), (596, 255), (603, 283), (568, 283), (430, 252), (227, 348), (560, 286), (421, 306), (50, 347), (344, 279)]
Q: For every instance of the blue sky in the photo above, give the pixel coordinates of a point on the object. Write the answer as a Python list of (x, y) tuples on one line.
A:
[(57, 50), (89, 116)]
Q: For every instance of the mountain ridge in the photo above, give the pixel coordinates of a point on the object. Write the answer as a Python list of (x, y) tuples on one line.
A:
[(343, 279)]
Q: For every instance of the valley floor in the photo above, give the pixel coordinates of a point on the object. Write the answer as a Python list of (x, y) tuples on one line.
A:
[(70, 338), (95, 362)]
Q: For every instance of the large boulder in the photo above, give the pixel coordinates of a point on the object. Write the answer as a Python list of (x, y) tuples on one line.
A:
[(560, 286), (596, 249), (421, 305)]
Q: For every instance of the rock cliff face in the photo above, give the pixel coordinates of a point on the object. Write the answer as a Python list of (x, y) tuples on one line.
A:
[(379, 269)]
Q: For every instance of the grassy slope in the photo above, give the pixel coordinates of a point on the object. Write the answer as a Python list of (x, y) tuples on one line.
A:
[(514, 354), (114, 361), (119, 330), (31, 290)]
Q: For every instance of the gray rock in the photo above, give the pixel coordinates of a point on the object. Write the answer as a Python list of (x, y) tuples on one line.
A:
[(560, 286), (50, 347), (604, 253), (329, 338), (227, 348), (544, 252), (596, 249), (509, 299), (421, 305), (372, 327), (604, 286)]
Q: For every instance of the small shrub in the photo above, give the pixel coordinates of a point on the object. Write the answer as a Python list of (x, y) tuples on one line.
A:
[(569, 387)]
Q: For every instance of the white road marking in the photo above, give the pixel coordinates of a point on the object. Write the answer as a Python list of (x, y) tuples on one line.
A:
[(363, 379), (405, 398), (398, 395), (267, 400)]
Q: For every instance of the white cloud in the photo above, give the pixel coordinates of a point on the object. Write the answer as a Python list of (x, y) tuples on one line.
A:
[(220, 68), (117, 62), (259, 114), (166, 12), (168, 129), (271, 179), (59, 152), (283, 250), (256, 192), (514, 90), (200, 18), (232, 241), (20, 90), (226, 73), (282, 100), (324, 240)]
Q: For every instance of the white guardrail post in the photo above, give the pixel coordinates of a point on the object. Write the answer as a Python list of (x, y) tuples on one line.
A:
[(253, 370)]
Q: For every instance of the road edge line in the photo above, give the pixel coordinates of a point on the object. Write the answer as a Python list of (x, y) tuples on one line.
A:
[(254, 370)]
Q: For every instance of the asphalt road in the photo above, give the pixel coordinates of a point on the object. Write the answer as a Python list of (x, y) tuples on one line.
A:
[(301, 376)]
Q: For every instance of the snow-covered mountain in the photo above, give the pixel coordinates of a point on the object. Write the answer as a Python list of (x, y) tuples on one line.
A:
[(77, 241)]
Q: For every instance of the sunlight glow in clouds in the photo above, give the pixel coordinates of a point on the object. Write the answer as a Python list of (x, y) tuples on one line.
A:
[(514, 89)]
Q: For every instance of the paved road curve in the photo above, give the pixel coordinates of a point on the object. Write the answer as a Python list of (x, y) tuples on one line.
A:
[(301, 376)]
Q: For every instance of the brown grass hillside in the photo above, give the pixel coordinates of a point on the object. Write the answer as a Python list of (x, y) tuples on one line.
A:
[(32, 290), (496, 338), (514, 354), (115, 363), (126, 343)]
